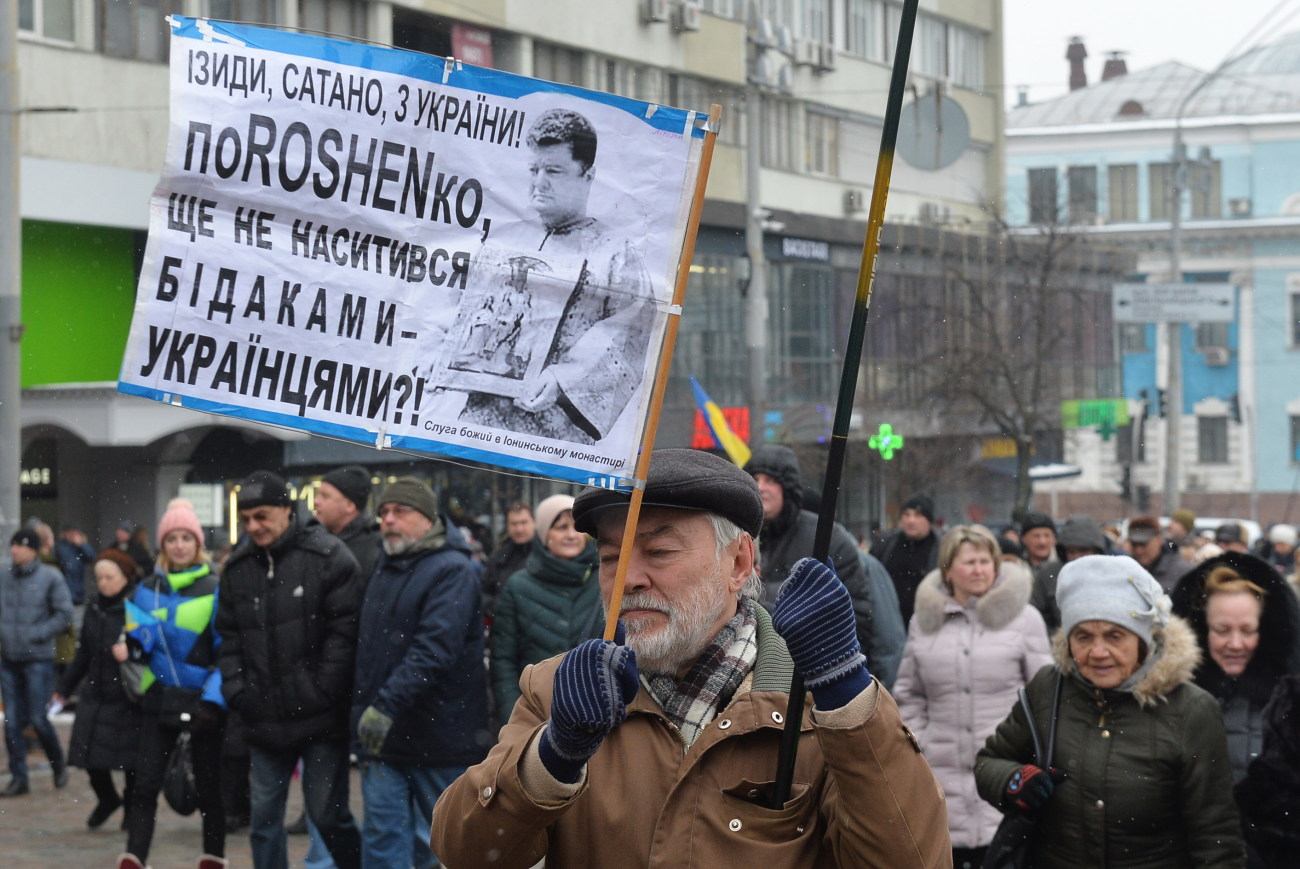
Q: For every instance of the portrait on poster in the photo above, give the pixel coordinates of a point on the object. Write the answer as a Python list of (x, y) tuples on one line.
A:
[(551, 334)]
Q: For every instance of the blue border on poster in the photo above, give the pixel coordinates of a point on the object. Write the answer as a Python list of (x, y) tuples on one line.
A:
[(425, 67), (396, 442)]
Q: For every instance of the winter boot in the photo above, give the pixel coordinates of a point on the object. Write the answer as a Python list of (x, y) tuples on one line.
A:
[(129, 861), (207, 861), (102, 811)]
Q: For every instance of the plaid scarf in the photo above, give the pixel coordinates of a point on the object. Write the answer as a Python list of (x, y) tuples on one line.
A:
[(693, 701)]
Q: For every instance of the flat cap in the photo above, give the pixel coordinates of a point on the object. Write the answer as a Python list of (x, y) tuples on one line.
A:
[(685, 480)]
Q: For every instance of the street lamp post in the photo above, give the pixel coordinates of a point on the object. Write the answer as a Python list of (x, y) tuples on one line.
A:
[(1174, 331), (10, 273)]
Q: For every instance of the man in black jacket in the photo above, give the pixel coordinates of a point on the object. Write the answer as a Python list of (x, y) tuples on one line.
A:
[(789, 530), (910, 551), (287, 616), (341, 507), (419, 711), (509, 555)]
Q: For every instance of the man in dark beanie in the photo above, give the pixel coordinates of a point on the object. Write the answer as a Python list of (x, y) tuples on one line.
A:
[(788, 532), (342, 507), (1079, 536), (910, 551), (1038, 535), (35, 607), (287, 617), (652, 749), (419, 710)]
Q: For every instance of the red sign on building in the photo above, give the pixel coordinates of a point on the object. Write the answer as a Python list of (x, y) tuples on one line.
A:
[(472, 45), (736, 417)]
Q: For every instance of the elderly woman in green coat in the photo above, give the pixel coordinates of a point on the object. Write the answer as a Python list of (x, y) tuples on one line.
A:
[(550, 606), (1140, 774)]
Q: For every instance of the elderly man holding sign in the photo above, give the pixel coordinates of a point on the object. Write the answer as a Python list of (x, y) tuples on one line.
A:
[(661, 749)]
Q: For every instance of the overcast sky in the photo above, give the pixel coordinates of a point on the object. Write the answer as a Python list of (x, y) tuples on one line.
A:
[(1148, 31)]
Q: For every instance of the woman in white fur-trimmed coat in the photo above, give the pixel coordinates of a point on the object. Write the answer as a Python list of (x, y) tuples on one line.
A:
[(973, 642)]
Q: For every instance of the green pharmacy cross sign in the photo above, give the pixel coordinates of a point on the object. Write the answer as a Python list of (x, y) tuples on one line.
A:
[(1107, 414), (885, 441)]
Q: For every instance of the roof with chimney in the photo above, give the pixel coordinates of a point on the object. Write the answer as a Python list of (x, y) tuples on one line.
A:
[(1265, 80)]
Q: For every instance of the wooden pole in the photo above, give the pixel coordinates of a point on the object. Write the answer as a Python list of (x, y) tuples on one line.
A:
[(661, 374), (849, 376)]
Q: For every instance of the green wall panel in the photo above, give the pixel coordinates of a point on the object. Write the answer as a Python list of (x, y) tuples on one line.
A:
[(78, 295)]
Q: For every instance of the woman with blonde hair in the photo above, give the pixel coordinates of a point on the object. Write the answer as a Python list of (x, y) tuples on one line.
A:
[(174, 634), (973, 642)]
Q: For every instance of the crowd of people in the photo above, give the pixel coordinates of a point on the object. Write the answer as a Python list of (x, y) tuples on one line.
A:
[(470, 684)]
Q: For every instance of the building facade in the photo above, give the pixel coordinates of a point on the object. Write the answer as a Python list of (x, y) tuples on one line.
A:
[(1101, 160), (94, 130)]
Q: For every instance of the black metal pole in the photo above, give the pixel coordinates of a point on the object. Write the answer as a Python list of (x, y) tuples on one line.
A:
[(849, 375)]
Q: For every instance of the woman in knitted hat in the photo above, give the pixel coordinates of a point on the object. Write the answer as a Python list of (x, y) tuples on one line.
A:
[(973, 642), (1139, 775), (171, 627), (106, 732), (550, 606)]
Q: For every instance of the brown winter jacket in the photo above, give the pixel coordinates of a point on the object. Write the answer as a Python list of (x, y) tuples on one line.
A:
[(863, 795)]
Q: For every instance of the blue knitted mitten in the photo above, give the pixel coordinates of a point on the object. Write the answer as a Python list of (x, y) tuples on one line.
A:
[(814, 615), (593, 686)]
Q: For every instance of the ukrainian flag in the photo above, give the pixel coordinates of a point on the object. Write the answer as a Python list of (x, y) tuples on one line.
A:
[(141, 625), (726, 439)]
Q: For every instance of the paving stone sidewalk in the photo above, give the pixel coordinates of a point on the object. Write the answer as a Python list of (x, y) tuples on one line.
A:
[(47, 828)]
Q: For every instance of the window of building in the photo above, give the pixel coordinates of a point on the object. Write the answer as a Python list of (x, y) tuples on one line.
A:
[(930, 48), (779, 12), (1123, 192), (336, 17), (1295, 440), (817, 20), (801, 332), (1082, 183), (1211, 335), (1212, 440), (1295, 319), (966, 56), (720, 8), (247, 11), (1133, 337), (1161, 182), (137, 31), (415, 31), (864, 28), (1042, 195), (780, 133), (1203, 184), (1130, 444), (558, 64), (822, 144), (47, 19)]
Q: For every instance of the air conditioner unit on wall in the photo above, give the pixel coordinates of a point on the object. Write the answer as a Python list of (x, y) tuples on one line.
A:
[(826, 57), (1239, 206), (855, 200), (1217, 356), (654, 11), (934, 212), (805, 52), (686, 16)]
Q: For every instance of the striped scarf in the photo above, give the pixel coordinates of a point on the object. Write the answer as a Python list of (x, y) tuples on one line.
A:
[(693, 701)]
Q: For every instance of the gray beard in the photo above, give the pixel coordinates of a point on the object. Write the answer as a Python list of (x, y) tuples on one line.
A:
[(399, 546), (690, 626)]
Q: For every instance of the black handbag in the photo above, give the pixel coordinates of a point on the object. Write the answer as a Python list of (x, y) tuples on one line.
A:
[(1013, 843), (179, 787), (178, 708)]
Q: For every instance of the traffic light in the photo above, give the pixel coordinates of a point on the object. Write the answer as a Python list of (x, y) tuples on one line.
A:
[(1162, 403), (1234, 407), (1126, 485)]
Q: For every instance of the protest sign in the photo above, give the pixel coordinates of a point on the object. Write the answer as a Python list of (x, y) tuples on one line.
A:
[(410, 252)]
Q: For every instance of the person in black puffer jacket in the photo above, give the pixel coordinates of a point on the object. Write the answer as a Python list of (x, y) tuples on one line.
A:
[(287, 617), (548, 607), (106, 732)]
